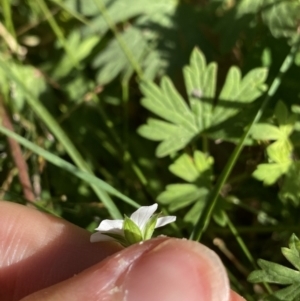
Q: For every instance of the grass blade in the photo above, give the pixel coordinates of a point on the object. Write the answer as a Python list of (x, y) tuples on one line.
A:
[(61, 136), (57, 161)]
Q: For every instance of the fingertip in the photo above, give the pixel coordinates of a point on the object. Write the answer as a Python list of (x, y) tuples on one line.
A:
[(159, 269), (174, 270)]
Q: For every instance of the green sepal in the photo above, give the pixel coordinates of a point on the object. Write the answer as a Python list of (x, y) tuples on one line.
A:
[(119, 238), (150, 227), (132, 232)]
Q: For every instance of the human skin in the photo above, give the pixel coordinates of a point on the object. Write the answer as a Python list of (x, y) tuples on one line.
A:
[(49, 259)]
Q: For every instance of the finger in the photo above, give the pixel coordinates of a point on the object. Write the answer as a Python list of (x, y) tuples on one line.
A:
[(236, 297), (38, 250), (160, 269)]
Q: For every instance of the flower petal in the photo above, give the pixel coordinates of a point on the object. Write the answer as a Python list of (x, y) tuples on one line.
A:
[(142, 215), (108, 225), (95, 237), (161, 221)]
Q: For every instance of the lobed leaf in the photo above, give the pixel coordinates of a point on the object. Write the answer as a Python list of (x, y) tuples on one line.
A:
[(185, 168), (270, 173), (201, 114), (181, 195), (276, 273)]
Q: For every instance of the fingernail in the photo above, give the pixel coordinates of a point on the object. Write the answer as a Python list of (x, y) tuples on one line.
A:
[(175, 270)]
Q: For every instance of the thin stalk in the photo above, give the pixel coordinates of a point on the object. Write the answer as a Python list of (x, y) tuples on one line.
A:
[(240, 241), (57, 161), (205, 216), (61, 136), (125, 99), (56, 29), (121, 148), (243, 246), (135, 65), (237, 283), (8, 21), (205, 146)]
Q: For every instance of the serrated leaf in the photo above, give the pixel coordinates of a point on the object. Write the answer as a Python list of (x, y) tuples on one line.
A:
[(83, 49), (112, 61), (132, 232), (249, 6), (282, 17), (158, 130), (174, 143), (280, 151), (29, 77), (185, 168), (265, 131), (281, 113), (270, 173), (237, 92), (193, 214), (167, 103), (275, 273), (219, 217), (202, 161), (290, 190), (292, 256), (200, 77), (190, 121), (181, 195)]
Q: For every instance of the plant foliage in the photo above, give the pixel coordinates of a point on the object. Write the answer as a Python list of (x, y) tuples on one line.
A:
[(275, 273), (113, 104)]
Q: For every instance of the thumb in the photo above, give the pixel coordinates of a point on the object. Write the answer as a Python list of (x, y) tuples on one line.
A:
[(158, 269)]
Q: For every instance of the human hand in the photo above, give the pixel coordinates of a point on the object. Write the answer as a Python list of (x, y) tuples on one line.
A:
[(46, 258)]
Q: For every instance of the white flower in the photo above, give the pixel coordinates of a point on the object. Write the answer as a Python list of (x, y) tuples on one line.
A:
[(140, 226)]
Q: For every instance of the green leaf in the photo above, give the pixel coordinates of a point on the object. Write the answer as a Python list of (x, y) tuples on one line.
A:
[(202, 161), (190, 169), (270, 173), (265, 131), (181, 195), (29, 77), (188, 122), (249, 6), (168, 104), (185, 168), (292, 254), (132, 232), (281, 113), (150, 227), (59, 133), (237, 92), (83, 49), (280, 151), (282, 17), (276, 273), (200, 77), (112, 60), (193, 214), (290, 189)]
